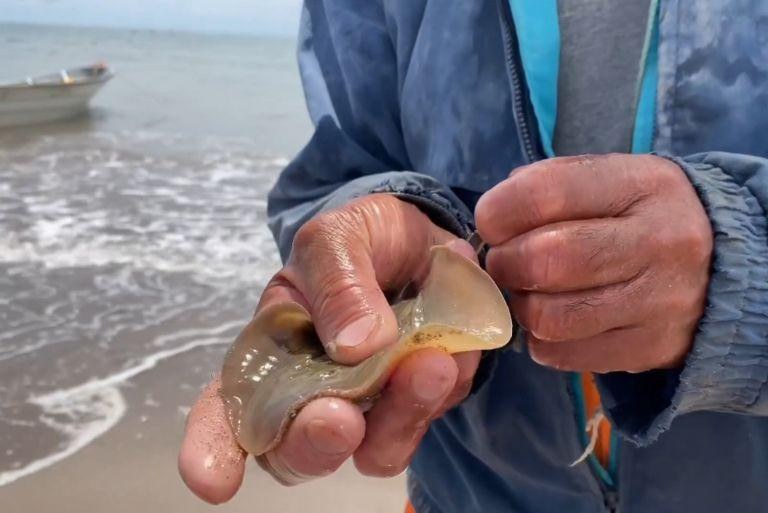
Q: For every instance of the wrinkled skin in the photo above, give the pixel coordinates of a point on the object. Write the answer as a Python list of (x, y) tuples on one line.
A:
[(342, 263), (607, 259)]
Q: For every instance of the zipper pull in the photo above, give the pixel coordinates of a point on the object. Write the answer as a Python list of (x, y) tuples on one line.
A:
[(479, 245)]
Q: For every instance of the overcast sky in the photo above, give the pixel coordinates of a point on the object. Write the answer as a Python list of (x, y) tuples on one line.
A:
[(243, 16)]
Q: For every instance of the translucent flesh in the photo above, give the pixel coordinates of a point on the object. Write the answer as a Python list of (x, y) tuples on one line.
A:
[(277, 363)]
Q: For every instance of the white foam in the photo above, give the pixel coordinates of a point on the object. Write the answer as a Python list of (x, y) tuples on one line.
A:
[(107, 404), (99, 402), (106, 201), (137, 210)]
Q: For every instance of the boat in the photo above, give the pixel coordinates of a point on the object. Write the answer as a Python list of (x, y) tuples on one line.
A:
[(52, 97)]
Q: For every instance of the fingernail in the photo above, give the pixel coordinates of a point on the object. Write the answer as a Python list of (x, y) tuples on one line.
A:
[(356, 332), (325, 439), (429, 387)]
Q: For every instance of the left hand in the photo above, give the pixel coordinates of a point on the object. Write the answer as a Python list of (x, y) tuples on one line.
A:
[(606, 259)]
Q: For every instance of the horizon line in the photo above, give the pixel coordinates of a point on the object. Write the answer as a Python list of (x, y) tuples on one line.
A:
[(204, 32)]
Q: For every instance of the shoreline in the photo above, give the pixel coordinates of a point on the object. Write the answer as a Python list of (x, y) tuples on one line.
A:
[(108, 390), (132, 465)]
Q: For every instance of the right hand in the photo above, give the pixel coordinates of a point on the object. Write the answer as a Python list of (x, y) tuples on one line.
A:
[(342, 263)]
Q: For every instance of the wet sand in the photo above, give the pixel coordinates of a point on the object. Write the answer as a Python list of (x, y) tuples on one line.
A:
[(132, 467)]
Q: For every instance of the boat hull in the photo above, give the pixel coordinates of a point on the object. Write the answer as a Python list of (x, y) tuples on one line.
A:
[(31, 105)]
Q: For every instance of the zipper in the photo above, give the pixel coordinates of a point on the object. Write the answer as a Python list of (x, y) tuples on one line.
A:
[(532, 151), (521, 109), (609, 492)]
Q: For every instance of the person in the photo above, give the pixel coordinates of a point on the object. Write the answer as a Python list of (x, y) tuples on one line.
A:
[(631, 237)]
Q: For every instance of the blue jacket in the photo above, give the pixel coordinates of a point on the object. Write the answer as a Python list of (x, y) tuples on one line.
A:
[(435, 101)]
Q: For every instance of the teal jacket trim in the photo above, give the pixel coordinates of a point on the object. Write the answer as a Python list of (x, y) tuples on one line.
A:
[(642, 137), (538, 32)]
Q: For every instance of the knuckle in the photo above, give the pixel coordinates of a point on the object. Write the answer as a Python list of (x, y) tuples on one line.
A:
[(539, 271), (659, 178), (692, 245), (339, 296), (537, 189), (664, 171), (550, 328), (698, 243), (314, 230), (668, 241), (588, 163), (329, 229), (536, 261), (595, 247), (548, 198), (684, 302), (650, 170), (543, 320), (548, 258)]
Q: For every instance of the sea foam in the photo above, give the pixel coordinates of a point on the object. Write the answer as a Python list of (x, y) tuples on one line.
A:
[(94, 407), (119, 251)]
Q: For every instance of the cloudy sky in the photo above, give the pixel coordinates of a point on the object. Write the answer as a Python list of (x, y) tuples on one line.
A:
[(243, 16)]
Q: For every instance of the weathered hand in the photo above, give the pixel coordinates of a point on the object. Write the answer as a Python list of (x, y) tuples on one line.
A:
[(343, 261), (606, 259)]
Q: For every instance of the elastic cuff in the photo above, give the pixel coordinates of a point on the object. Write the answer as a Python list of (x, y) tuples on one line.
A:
[(434, 199), (729, 363)]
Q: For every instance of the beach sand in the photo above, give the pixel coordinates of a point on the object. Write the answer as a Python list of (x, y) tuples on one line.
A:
[(132, 468)]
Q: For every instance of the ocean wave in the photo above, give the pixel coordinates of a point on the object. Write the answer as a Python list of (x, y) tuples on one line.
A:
[(104, 201), (119, 251), (93, 408)]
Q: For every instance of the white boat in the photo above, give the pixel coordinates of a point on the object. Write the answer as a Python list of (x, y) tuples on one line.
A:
[(51, 97)]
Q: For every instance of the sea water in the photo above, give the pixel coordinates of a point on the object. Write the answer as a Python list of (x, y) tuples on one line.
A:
[(135, 233)]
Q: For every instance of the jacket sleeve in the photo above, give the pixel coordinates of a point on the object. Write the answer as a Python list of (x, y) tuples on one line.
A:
[(727, 368), (350, 77)]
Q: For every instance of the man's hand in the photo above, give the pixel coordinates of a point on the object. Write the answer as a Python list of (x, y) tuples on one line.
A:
[(342, 264), (606, 259)]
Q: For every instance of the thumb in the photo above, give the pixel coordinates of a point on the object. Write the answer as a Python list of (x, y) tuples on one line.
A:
[(334, 273), (345, 261), (211, 463)]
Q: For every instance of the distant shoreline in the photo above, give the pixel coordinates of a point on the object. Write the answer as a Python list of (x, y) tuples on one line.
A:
[(149, 30)]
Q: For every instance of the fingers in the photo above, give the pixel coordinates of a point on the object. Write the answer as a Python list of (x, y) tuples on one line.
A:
[(564, 189), (626, 349), (467, 364), (327, 431), (583, 314), (344, 261), (571, 255), (415, 394), (324, 434), (210, 461)]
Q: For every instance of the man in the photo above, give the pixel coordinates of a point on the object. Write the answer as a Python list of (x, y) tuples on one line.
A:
[(644, 274)]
